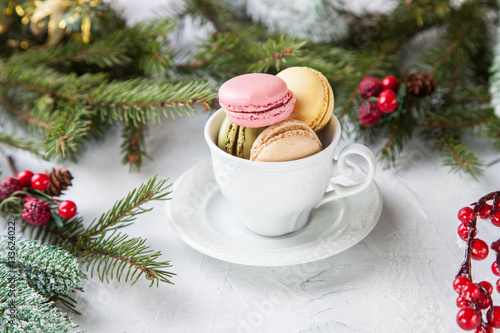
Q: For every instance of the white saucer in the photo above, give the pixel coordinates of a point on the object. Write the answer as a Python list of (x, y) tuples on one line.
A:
[(202, 218)]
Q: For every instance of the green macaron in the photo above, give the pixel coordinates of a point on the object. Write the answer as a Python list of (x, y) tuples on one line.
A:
[(237, 140)]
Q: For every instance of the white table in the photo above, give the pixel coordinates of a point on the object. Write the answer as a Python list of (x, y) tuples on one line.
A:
[(398, 279)]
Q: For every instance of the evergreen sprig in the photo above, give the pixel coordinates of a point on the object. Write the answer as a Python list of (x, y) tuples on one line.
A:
[(33, 278), (71, 91), (33, 312), (23, 143), (116, 255), (52, 272), (105, 251)]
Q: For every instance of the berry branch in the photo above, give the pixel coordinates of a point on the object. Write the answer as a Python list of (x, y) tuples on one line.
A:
[(474, 298), (28, 200)]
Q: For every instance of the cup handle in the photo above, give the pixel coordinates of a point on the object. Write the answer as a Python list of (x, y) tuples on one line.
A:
[(343, 168)]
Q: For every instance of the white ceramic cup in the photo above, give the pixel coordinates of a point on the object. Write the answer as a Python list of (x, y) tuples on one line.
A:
[(276, 198)]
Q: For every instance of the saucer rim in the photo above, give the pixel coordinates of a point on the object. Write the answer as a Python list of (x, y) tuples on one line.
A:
[(237, 259)]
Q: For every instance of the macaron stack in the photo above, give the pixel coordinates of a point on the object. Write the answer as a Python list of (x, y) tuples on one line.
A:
[(275, 118)]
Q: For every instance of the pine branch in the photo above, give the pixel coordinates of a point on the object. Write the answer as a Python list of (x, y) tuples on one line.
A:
[(110, 256), (459, 158), (71, 128), (147, 100), (22, 116), (23, 143), (133, 145), (33, 313), (48, 270), (233, 53)]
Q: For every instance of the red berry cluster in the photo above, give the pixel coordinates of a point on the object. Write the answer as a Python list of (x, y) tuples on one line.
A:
[(35, 211), (474, 298), (371, 112)]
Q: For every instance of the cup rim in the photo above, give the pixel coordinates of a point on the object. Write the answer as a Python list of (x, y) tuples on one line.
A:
[(271, 165)]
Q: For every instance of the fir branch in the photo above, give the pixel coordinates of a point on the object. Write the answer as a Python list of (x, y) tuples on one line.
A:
[(133, 144), (33, 312), (110, 256), (233, 53), (23, 143), (273, 53), (459, 158), (136, 100), (105, 52), (50, 271), (143, 100), (71, 128), (124, 211), (22, 116)]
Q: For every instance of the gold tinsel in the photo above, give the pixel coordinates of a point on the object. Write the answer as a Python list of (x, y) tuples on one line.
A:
[(57, 11)]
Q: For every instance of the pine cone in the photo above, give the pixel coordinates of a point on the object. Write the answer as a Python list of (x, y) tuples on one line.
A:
[(60, 180), (420, 84)]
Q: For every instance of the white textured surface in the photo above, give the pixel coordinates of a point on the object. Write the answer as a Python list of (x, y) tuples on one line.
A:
[(398, 279)]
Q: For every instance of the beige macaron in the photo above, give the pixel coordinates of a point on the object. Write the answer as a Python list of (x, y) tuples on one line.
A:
[(286, 141), (314, 96)]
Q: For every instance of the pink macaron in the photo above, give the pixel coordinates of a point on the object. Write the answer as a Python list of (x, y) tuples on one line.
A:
[(256, 100)]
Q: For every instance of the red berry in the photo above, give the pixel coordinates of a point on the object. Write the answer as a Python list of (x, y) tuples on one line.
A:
[(460, 282), (370, 86), (9, 185), (480, 249), (498, 286), (463, 302), (484, 328), (484, 212), (483, 302), (387, 101), (463, 231), (487, 286), (468, 319), (25, 177), (494, 269), (67, 209), (369, 114), (471, 291), (36, 211), (493, 316), (466, 215), (495, 219), (40, 181), (390, 82), (495, 246)]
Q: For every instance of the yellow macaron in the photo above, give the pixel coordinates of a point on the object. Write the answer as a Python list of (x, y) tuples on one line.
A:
[(314, 96)]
